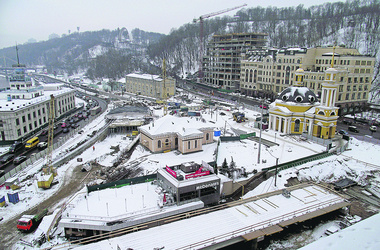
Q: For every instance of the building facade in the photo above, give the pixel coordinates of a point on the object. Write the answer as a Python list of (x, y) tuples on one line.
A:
[(150, 85), (269, 74), (185, 134), (297, 109), (221, 64), (24, 107)]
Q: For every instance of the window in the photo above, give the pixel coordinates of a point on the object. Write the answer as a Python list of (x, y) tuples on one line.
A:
[(321, 113), (17, 122), (35, 124), (18, 132), (30, 126), (159, 144), (34, 114), (188, 145), (23, 118), (207, 136), (29, 117), (297, 126), (196, 144), (25, 129)]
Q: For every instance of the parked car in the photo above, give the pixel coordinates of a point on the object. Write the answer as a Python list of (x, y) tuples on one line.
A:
[(65, 130), (348, 122), (19, 159), (353, 129), (373, 128), (74, 125), (42, 145), (7, 158), (343, 132)]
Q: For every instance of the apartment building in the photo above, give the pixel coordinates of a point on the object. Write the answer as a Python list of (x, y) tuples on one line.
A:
[(221, 64), (24, 106), (150, 85), (268, 75)]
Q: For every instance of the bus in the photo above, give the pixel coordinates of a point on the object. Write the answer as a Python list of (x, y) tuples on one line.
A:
[(32, 143)]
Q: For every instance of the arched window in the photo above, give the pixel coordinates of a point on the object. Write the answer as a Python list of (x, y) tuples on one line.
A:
[(332, 113), (321, 113), (246, 75), (159, 144), (297, 125)]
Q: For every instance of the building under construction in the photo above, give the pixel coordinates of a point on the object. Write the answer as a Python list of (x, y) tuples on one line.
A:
[(221, 64)]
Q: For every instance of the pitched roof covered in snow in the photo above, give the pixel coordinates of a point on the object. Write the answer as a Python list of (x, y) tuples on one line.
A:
[(183, 126)]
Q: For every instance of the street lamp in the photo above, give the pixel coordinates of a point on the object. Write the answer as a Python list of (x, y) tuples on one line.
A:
[(261, 126), (275, 175)]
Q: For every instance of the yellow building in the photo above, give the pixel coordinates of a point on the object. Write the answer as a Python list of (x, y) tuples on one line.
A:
[(150, 85), (297, 109)]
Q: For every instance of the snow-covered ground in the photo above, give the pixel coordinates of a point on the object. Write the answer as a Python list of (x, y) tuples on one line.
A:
[(356, 163)]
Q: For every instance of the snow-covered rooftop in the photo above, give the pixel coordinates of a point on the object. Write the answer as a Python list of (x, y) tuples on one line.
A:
[(173, 124)]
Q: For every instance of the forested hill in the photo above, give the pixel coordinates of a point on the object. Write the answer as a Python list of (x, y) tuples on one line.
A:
[(112, 54), (352, 23), (80, 51)]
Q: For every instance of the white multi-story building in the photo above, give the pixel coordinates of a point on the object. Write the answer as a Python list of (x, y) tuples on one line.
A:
[(24, 106)]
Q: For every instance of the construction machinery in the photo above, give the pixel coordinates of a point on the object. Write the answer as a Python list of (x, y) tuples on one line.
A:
[(27, 223), (48, 171), (200, 20), (239, 117)]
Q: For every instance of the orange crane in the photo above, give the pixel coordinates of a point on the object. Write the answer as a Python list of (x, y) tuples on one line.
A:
[(200, 20)]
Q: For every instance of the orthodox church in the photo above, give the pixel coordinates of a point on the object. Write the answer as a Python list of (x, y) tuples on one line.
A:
[(297, 109)]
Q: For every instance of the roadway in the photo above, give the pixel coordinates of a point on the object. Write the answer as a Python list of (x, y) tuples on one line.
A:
[(58, 132), (362, 127)]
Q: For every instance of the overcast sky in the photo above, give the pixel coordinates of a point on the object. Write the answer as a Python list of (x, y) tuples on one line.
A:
[(21, 20)]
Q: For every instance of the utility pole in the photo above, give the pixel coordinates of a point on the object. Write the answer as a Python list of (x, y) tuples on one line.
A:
[(261, 126)]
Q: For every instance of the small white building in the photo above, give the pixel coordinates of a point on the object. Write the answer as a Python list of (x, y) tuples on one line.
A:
[(186, 134)]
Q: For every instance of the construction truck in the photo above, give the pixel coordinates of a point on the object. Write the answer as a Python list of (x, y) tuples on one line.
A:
[(28, 223), (239, 117)]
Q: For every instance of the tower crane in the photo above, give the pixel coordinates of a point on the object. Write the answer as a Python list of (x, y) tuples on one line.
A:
[(200, 20), (49, 171), (164, 94)]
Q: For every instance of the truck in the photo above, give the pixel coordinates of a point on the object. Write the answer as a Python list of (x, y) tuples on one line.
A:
[(96, 110), (239, 117), (28, 223)]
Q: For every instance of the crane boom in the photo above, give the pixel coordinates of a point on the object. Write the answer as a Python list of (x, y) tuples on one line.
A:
[(200, 19), (51, 132), (219, 12)]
